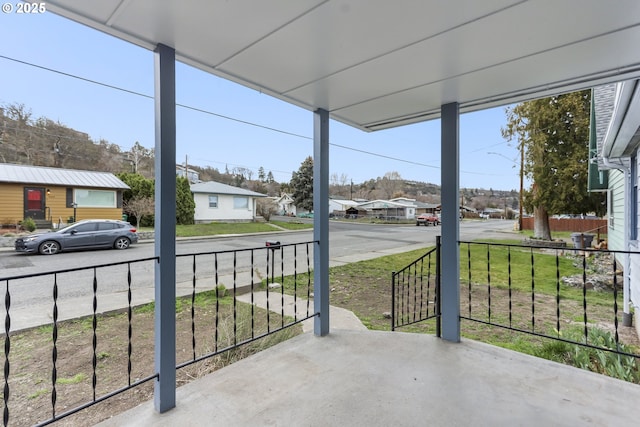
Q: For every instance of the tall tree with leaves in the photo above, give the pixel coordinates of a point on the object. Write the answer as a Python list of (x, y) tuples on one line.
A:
[(302, 185), (139, 186), (554, 132)]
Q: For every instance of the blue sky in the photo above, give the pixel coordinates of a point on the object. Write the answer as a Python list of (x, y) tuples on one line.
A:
[(208, 140)]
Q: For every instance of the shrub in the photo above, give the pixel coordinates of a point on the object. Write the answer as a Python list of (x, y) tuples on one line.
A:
[(265, 208), (29, 224)]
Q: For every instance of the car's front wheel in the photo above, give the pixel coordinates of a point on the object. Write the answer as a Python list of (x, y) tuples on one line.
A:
[(49, 247), (122, 243)]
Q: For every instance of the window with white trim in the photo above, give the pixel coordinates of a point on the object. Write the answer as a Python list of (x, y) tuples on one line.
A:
[(213, 201), (240, 202), (95, 198)]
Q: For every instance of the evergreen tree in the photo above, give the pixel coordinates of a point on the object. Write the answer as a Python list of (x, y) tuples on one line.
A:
[(185, 205), (554, 132), (302, 185)]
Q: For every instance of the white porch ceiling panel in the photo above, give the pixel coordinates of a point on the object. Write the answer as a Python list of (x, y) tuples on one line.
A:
[(375, 64)]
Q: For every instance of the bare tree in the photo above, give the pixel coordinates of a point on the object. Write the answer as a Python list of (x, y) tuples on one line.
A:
[(139, 206), (266, 207), (138, 153), (20, 113), (390, 184)]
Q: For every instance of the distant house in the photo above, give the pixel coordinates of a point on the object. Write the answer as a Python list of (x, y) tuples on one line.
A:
[(286, 205), (192, 175), (388, 210), (221, 202), (340, 206), (421, 207), (55, 196)]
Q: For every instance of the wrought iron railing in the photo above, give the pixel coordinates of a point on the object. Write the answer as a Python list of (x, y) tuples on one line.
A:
[(415, 291), (95, 277), (220, 326), (564, 294), (279, 260)]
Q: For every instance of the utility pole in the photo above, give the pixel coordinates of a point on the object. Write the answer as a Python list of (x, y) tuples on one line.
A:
[(351, 197), (521, 185)]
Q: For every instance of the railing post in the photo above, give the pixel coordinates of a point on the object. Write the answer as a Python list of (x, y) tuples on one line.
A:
[(321, 221), (450, 168), (393, 301), (165, 230), (437, 304)]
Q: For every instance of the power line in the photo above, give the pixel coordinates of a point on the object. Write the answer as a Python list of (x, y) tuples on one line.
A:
[(245, 122)]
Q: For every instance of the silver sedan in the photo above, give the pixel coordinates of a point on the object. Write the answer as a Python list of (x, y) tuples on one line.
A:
[(88, 234)]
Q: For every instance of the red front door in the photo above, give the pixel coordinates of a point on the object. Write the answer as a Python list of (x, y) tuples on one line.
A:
[(34, 202)]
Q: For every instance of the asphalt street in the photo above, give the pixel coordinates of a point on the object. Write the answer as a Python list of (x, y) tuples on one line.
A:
[(240, 260)]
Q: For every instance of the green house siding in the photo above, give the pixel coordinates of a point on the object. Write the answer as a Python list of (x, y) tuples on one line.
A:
[(616, 210)]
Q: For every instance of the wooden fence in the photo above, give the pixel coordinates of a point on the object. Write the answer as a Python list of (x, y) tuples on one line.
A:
[(576, 225)]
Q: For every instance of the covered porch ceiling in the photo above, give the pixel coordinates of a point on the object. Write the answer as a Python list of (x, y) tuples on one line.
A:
[(377, 64)]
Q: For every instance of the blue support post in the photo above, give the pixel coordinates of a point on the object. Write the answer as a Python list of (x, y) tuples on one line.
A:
[(450, 254), (165, 228), (321, 220)]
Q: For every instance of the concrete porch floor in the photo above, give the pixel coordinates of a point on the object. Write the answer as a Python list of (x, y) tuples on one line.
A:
[(371, 378)]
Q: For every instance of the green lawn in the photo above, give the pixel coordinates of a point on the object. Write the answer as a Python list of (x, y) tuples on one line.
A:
[(216, 228)]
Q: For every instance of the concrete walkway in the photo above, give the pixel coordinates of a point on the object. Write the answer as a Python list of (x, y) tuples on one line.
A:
[(339, 317)]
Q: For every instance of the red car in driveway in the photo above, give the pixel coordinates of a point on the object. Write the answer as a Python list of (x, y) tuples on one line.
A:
[(427, 219)]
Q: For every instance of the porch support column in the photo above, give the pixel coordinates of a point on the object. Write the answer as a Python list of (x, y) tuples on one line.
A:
[(165, 228), (450, 200), (321, 221)]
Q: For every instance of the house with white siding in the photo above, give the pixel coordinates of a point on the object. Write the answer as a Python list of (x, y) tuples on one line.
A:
[(286, 205), (221, 202), (614, 167), (421, 207)]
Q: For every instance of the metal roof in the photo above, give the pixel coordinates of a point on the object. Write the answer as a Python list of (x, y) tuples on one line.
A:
[(213, 187), (63, 177), (378, 64)]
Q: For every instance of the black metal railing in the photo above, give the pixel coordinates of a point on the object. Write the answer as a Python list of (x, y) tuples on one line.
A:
[(415, 291), (283, 310), (95, 278), (216, 323), (564, 294), (561, 294)]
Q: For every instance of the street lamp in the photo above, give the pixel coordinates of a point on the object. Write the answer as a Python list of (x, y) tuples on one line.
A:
[(521, 181), (75, 206)]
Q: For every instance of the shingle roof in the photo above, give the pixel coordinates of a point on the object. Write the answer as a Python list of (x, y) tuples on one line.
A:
[(56, 176), (604, 98), (213, 187)]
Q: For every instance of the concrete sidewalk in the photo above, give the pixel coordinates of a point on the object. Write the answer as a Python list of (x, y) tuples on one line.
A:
[(340, 318)]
